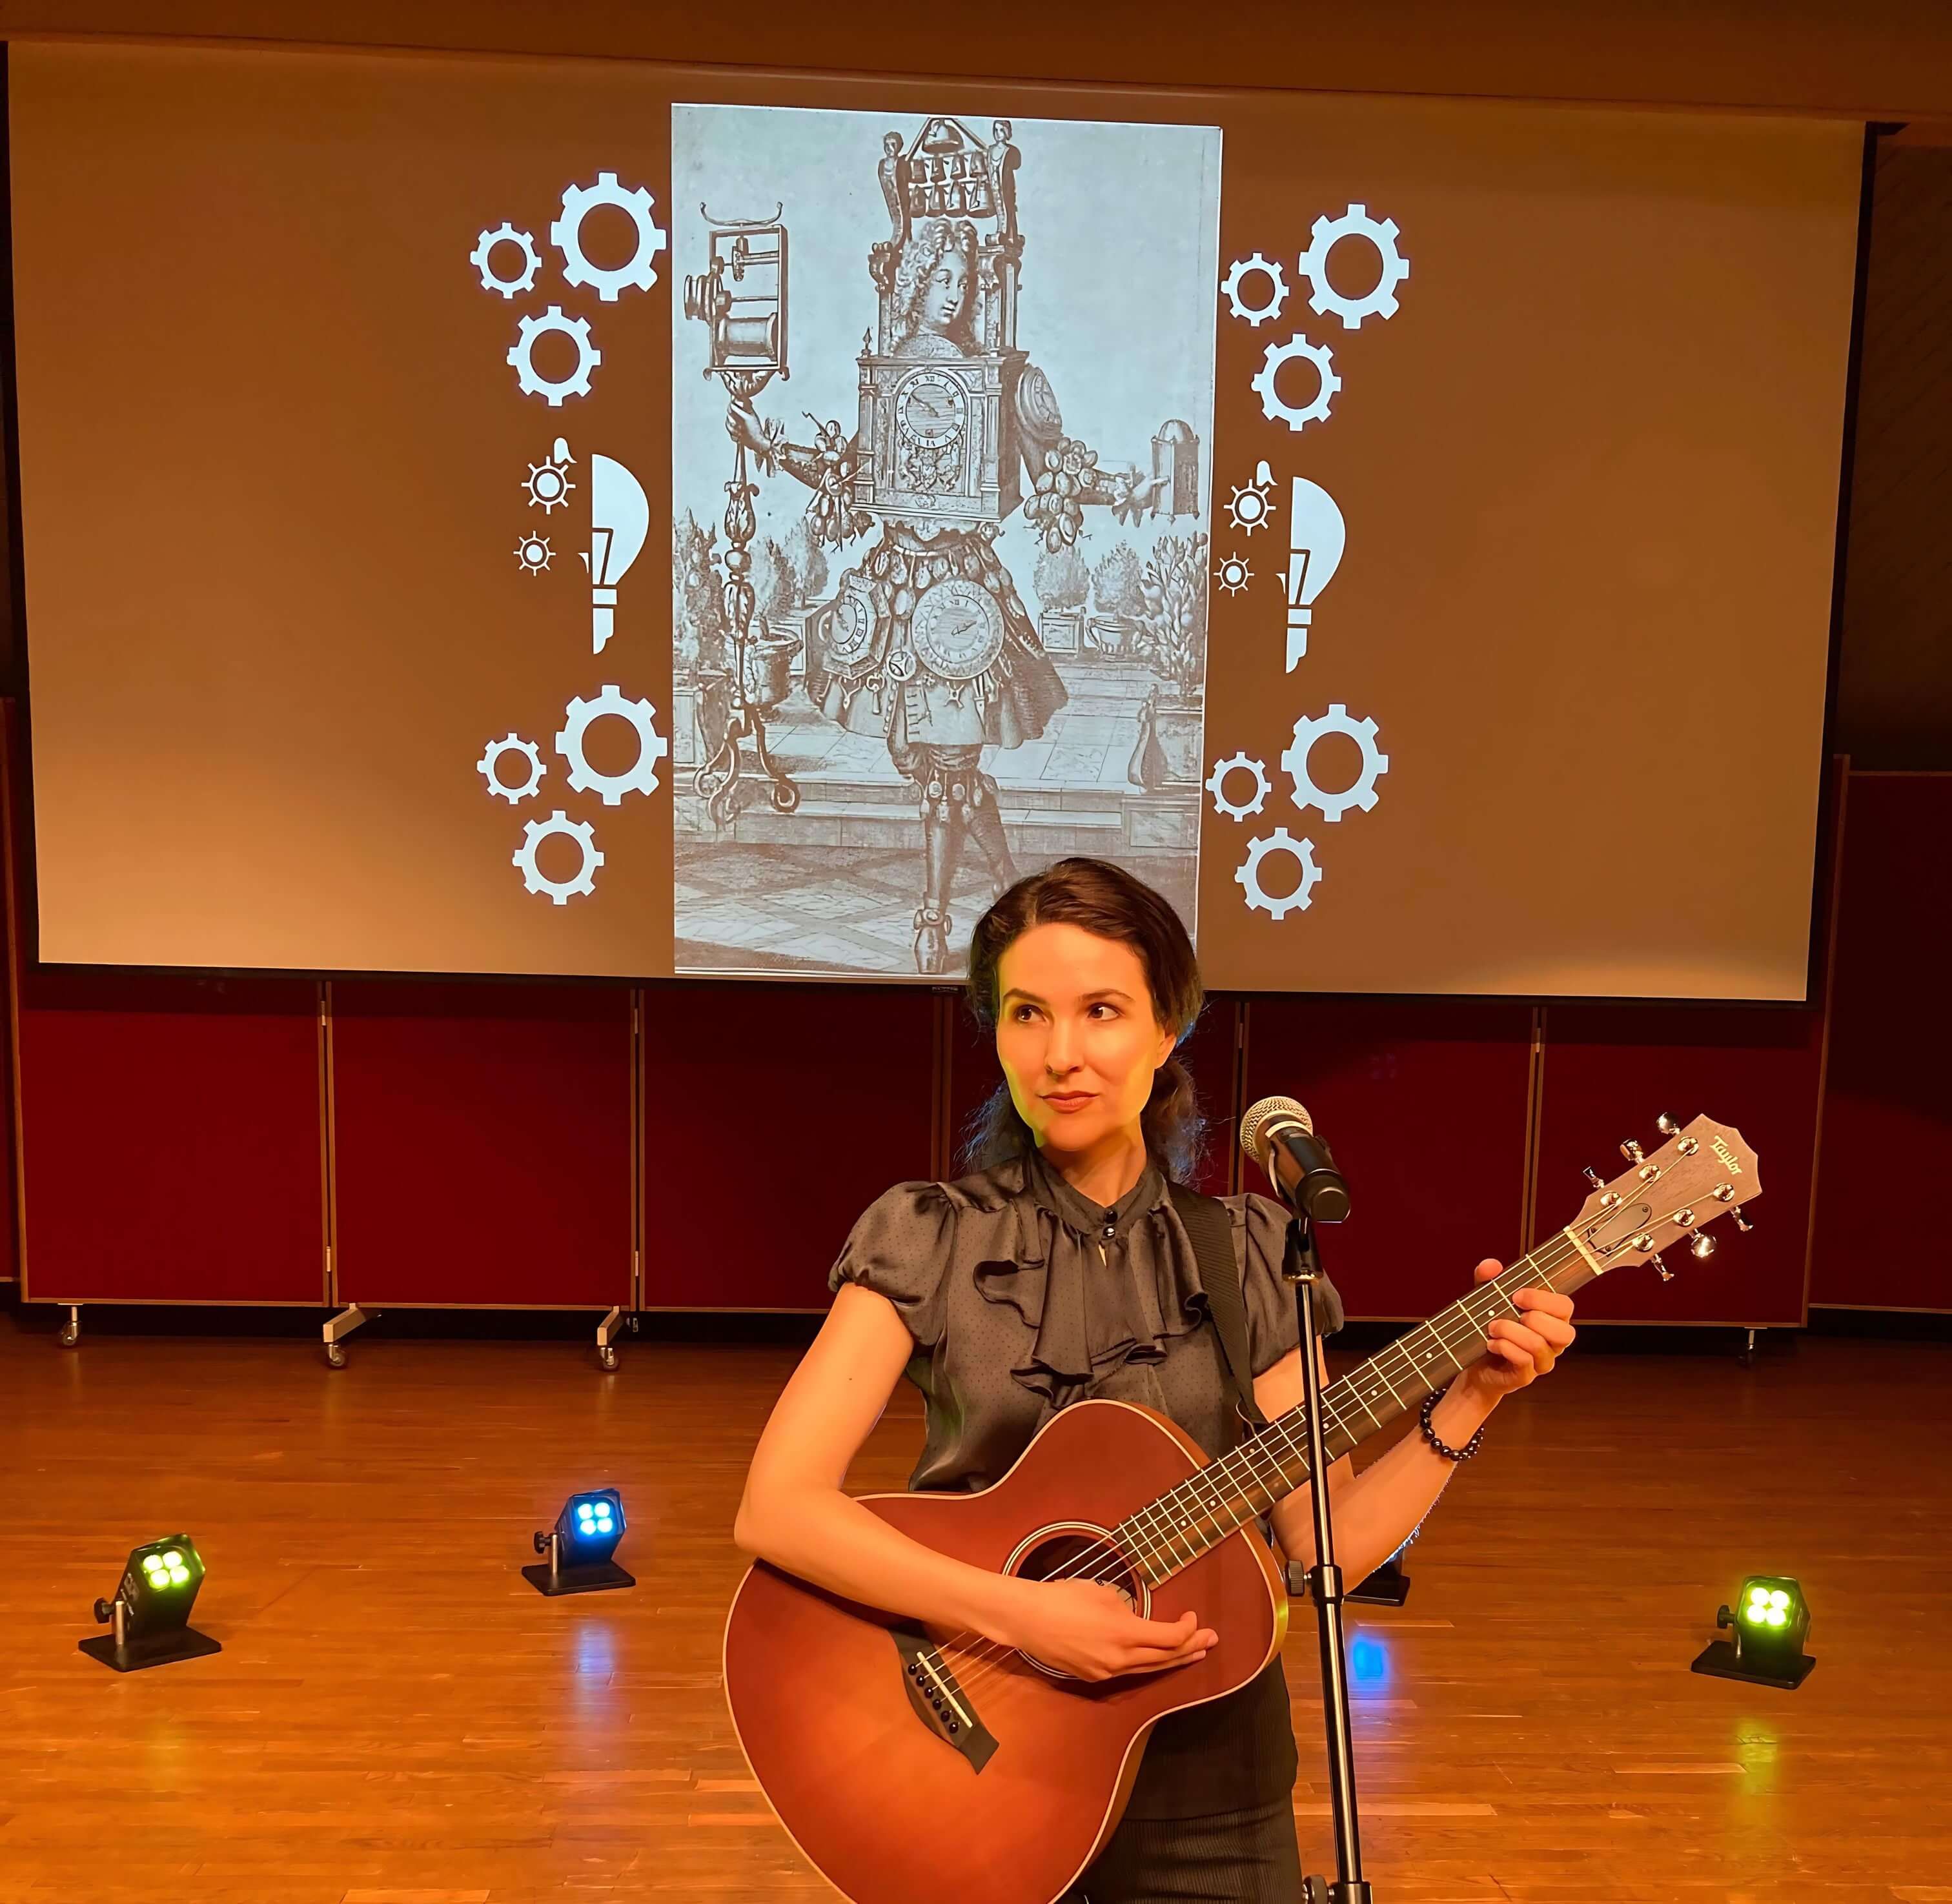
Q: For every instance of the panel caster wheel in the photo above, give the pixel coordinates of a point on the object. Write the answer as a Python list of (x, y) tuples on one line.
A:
[(69, 1335), (606, 1357), (334, 1356)]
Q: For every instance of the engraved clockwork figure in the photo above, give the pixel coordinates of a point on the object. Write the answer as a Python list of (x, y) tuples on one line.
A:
[(926, 641)]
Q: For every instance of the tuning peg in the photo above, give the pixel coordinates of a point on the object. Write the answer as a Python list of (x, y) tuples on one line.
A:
[(1666, 1126), (1736, 1212), (1593, 1178), (1701, 1244), (1665, 1274), (1632, 1152)]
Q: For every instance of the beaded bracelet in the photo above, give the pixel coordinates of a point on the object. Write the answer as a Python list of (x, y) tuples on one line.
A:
[(1449, 1453)]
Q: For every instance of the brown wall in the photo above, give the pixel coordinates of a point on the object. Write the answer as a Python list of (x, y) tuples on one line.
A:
[(1894, 680), (1887, 61)]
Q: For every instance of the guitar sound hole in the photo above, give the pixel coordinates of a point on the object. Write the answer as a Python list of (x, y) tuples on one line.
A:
[(1081, 1555)]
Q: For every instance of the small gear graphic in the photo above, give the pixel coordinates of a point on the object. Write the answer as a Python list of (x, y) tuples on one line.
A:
[(534, 553), (1294, 762), (484, 249), (1260, 899), (1234, 574), (1251, 503), (566, 235), (652, 747), (1245, 268), (548, 482), (558, 825), (510, 743), (521, 354), (1216, 782), (1272, 404), (1313, 263)]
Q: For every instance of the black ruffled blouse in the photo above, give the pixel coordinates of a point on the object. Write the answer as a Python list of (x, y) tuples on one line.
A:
[(1023, 1296)]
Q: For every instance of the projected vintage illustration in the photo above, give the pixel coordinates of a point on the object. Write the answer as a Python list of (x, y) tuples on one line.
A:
[(943, 394)]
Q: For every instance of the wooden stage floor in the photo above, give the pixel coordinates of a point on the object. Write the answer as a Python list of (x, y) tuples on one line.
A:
[(396, 1718)]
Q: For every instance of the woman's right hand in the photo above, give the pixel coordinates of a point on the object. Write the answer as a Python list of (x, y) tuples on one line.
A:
[(1087, 1628)]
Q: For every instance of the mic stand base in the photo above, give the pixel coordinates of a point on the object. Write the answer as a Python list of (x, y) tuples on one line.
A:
[(1302, 1268)]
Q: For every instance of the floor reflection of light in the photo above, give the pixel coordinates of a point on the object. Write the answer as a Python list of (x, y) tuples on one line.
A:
[(595, 1655), (1368, 1664)]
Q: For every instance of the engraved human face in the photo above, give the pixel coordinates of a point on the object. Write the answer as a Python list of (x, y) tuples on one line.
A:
[(943, 296), (1077, 1036)]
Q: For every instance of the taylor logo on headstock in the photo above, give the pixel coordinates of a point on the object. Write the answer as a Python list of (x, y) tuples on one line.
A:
[(1728, 1157)]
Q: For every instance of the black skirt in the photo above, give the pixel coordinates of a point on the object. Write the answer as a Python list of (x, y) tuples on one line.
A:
[(1230, 1754)]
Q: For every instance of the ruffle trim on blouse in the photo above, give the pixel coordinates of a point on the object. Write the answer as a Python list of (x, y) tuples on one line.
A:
[(1088, 1318)]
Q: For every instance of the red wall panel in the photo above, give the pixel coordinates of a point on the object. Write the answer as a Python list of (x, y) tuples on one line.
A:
[(482, 1144), (1423, 1103), (170, 1139), (772, 1116), (1886, 1121), (974, 1074), (1611, 1070)]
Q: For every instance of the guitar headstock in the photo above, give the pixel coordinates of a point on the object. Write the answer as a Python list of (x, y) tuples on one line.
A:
[(1696, 1175)]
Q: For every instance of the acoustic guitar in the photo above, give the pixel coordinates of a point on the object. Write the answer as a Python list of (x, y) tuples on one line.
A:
[(910, 1765)]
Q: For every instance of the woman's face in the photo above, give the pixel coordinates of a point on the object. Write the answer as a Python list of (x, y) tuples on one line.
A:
[(1076, 1035), (944, 295)]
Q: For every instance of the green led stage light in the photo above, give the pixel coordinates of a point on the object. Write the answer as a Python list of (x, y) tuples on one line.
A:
[(1771, 1619), (580, 1545), (150, 1613)]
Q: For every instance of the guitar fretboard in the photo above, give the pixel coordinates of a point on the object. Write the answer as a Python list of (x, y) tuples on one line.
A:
[(1174, 1529)]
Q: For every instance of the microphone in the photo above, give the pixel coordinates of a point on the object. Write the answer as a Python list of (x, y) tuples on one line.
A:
[(1279, 1137)]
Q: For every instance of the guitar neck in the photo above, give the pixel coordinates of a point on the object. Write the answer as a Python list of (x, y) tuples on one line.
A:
[(1174, 1530)]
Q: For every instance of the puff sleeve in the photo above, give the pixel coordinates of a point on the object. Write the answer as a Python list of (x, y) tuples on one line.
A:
[(1260, 1240), (900, 1247)]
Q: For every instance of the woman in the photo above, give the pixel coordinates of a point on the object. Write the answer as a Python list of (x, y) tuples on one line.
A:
[(1059, 1269)]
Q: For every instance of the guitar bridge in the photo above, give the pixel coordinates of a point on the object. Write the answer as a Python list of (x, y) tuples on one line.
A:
[(939, 1699)]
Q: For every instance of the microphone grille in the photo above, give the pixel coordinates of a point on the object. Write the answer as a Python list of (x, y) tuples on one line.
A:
[(1270, 1110)]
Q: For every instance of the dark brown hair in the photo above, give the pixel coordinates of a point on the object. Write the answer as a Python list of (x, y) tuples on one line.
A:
[(1105, 899)]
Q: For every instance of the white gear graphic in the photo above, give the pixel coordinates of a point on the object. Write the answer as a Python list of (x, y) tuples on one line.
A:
[(1251, 503), (1243, 268), (548, 482), (652, 747), (1217, 780), (1272, 404), (1260, 899), (534, 553), (510, 744), (505, 234), (521, 354), (1313, 263), (1294, 762), (1234, 574), (559, 824), (641, 272)]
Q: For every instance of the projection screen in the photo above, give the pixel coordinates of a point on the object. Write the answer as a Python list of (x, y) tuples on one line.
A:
[(598, 518)]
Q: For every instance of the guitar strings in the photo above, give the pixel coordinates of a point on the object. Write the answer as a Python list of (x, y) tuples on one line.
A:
[(989, 1657)]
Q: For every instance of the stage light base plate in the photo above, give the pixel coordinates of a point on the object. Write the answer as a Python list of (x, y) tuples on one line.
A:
[(1388, 1586), (1718, 1660), (188, 1644), (577, 1580)]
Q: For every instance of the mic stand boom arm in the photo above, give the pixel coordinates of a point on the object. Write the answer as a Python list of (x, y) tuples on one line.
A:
[(1301, 1268)]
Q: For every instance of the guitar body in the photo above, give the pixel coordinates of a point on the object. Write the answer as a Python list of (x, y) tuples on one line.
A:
[(861, 1766)]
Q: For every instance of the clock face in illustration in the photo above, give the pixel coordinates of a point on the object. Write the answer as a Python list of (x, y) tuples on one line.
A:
[(931, 410), (958, 630), (850, 630)]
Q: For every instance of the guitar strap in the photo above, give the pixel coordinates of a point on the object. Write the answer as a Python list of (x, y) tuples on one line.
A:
[(1210, 1228)]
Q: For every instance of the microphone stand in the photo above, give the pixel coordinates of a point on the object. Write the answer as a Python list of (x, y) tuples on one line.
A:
[(1301, 1268)]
